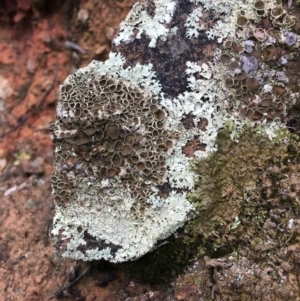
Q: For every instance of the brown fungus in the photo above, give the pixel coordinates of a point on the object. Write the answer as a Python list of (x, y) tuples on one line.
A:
[(272, 53), (259, 5), (252, 84), (229, 82), (227, 44), (266, 101), (242, 21), (90, 130), (99, 135), (288, 21), (277, 12), (225, 58), (160, 114), (278, 90), (80, 138), (129, 139), (241, 76), (112, 130), (234, 65), (140, 166), (111, 172), (126, 151)]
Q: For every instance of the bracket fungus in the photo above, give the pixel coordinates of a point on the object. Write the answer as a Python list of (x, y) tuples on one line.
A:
[(121, 176)]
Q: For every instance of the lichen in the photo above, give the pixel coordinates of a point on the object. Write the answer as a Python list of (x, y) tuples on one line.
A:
[(154, 27), (114, 203), (192, 23), (141, 75), (111, 149)]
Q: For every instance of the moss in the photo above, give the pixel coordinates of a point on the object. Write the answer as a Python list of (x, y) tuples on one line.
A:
[(247, 218), (245, 194)]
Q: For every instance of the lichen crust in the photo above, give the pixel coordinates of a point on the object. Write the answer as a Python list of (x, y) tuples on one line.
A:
[(111, 149)]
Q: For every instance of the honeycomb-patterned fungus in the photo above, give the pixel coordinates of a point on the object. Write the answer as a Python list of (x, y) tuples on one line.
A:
[(111, 150), (109, 129)]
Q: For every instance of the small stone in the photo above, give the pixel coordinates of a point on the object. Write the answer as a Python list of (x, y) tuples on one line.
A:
[(35, 166), (38, 279), (83, 15), (145, 297), (19, 16), (122, 295), (110, 33), (90, 297), (31, 204), (47, 39), (30, 66), (99, 49), (3, 163), (5, 90)]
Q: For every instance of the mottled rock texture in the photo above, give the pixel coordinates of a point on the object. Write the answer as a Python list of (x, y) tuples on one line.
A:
[(180, 124)]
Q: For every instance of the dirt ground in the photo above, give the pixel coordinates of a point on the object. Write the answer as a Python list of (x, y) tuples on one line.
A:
[(41, 42)]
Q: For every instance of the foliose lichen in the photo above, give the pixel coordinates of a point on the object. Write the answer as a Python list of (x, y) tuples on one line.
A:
[(111, 149), (153, 26)]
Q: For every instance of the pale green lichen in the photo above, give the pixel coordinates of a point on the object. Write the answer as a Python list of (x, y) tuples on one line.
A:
[(116, 225), (154, 27), (141, 75), (107, 201)]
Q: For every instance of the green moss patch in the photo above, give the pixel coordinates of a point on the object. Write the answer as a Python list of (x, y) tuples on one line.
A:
[(246, 194)]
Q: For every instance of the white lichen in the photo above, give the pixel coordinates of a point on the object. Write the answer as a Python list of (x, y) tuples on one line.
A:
[(142, 75), (115, 225), (154, 27), (180, 175), (192, 23), (225, 13)]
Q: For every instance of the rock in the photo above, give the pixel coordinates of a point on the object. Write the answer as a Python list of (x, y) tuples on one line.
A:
[(129, 127)]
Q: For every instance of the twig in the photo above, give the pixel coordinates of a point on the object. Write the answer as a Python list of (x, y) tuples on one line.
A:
[(74, 46), (34, 110), (60, 291)]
